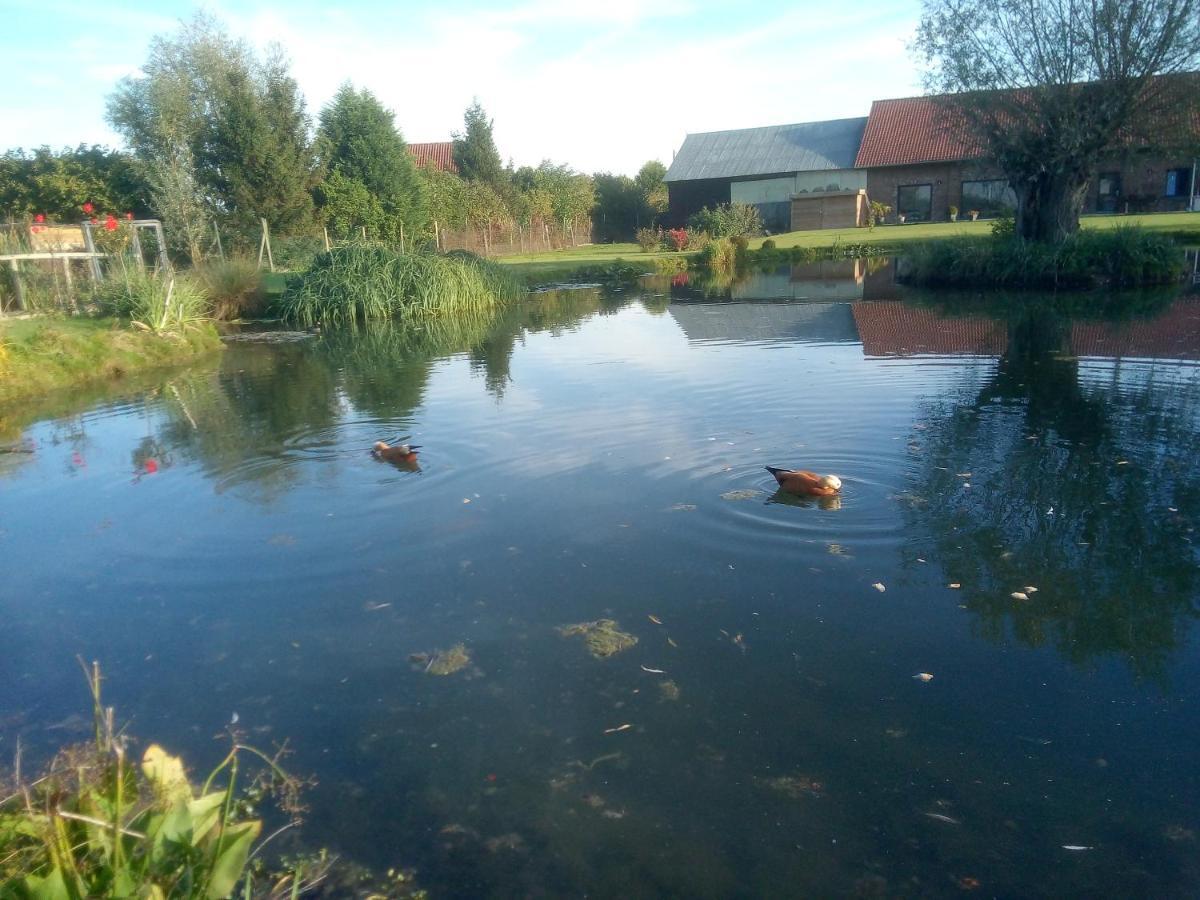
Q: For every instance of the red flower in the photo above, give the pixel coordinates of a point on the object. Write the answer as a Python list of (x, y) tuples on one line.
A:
[(110, 224), (88, 209), (151, 466), (94, 220), (39, 218)]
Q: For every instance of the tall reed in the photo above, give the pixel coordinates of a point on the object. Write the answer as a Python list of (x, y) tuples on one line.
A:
[(364, 282)]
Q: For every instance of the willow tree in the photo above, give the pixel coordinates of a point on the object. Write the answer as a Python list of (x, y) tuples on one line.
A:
[(1050, 88)]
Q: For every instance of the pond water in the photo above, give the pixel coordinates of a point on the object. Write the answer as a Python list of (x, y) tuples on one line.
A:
[(221, 540)]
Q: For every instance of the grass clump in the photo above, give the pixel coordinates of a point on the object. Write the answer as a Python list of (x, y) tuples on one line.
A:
[(1117, 257), (234, 287), (159, 302), (365, 282)]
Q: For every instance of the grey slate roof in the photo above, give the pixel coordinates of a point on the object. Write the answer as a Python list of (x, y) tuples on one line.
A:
[(804, 147)]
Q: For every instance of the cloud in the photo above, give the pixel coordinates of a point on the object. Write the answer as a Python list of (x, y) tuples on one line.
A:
[(601, 87)]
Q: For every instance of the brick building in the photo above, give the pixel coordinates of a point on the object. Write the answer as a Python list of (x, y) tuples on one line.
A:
[(910, 154), (921, 160)]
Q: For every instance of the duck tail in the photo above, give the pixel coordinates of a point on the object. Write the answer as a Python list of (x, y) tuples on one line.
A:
[(776, 471)]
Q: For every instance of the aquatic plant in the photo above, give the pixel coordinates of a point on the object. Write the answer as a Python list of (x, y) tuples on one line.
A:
[(98, 825), (364, 282), (603, 637)]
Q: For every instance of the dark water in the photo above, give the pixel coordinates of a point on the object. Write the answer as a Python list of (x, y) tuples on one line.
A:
[(601, 455)]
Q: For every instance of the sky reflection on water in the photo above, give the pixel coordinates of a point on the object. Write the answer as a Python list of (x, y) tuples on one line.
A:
[(576, 454)]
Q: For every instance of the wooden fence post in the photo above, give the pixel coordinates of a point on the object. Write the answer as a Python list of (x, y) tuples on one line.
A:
[(91, 248), (265, 246), (217, 235), (437, 237), (17, 287), (326, 232)]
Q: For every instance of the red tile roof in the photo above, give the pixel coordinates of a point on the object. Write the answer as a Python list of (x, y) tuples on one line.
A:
[(914, 130), (888, 328), (439, 154)]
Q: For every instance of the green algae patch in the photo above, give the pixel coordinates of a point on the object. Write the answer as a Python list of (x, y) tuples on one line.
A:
[(447, 662), (42, 354), (603, 638)]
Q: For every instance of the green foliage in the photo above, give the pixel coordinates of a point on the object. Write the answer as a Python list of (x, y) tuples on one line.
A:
[(728, 220), (720, 255), (649, 239), (98, 825), (220, 133), (1004, 227), (623, 205), (363, 148), (58, 184), (475, 151), (768, 244), (1119, 257), (162, 303), (364, 282), (879, 212), (256, 157), (234, 287)]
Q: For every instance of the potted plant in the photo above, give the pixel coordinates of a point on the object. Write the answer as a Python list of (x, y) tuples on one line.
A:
[(901, 217), (954, 214), (974, 214)]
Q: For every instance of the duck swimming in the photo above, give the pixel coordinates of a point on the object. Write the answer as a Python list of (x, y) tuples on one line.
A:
[(398, 453), (810, 484)]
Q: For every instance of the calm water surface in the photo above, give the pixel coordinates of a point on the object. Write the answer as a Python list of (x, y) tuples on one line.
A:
[(600, 455)]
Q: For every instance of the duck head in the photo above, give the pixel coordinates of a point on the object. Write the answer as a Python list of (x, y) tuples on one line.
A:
[(832, 482)]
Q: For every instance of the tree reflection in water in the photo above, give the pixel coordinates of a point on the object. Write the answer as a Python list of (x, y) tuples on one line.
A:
[(1082, 488)]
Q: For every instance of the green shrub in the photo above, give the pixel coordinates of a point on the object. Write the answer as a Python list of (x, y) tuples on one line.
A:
[(295, 254), (1004, 227), (720, 255), (363, 282), (649, 239), (728, 220), (164, 303), (768, 244), (1118, 257), (234, 288)]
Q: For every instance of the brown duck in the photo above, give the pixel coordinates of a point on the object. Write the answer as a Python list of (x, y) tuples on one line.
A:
[(808, 484), (395, 453)]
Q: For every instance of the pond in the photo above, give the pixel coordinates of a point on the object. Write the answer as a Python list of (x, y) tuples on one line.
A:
[(1021, 491)]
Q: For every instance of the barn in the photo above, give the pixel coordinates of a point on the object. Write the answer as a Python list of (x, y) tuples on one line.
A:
[(798, 176)]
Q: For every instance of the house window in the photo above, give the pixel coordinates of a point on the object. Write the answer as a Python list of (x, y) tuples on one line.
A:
[(1178, 182), (914, 202), (992, 198), (1109, 194)]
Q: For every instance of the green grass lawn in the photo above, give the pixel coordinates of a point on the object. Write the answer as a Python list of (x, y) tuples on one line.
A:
[(555, 261)]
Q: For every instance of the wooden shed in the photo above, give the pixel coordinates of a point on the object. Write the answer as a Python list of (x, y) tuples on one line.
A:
[(830, 209)]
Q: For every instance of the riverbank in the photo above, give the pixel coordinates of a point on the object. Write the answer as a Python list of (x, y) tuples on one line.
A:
[(557, 263), (41, 354)]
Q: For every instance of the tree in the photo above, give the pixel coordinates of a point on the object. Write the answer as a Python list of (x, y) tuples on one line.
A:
[(218, 132), (1049, 88), (653, 191), (362, 145), (258, 158), (475, 151), (619, 205), (58, 184)]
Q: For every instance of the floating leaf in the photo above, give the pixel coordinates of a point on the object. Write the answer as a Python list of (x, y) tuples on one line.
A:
[(879, 586), (923, 676)]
